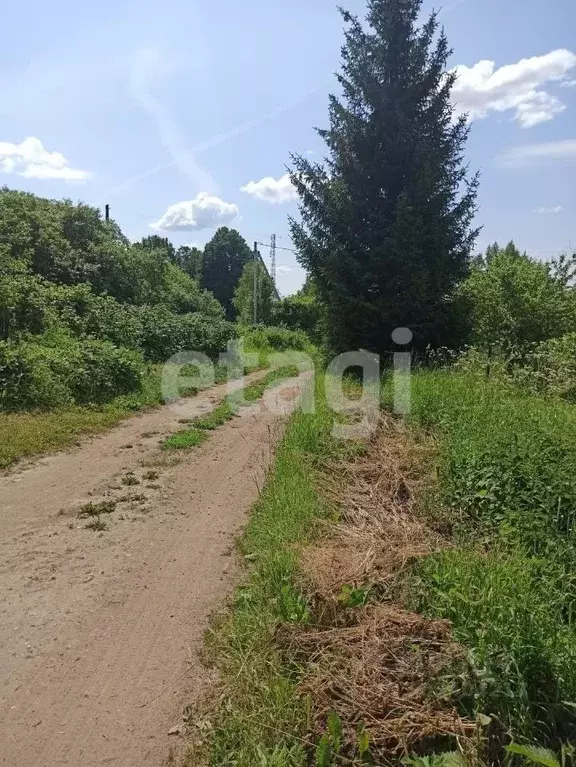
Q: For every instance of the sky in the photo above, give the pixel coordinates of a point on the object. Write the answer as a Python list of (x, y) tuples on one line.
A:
[(182, 115)]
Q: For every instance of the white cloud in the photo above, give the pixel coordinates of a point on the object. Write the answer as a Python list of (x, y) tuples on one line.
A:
[(549, 210), (568, 84), (204, 212), (271, 190), (31, 160), (283, 269), (481, 89), (530, 153)]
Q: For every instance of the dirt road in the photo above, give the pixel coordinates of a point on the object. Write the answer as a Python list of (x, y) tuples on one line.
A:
[(99, 631)]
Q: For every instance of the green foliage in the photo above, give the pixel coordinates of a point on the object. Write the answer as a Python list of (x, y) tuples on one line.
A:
[(244, 294), (549, 367), (506, 470), (543, 756), (223, 263), (300, 312), (353, 597), (165, 333), (217, 417), (191, 261), (385, 231), (59, 370), (184, 439), (71, 285), (160, 244), (447, 759), (515, 299), (275, 339)]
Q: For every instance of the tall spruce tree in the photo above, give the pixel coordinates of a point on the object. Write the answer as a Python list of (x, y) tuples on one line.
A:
[(386, 230)]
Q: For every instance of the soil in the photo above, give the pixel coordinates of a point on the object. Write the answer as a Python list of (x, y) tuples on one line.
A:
[(100, 631)]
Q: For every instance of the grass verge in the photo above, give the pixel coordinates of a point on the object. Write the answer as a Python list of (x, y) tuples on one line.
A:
[(261, 719)]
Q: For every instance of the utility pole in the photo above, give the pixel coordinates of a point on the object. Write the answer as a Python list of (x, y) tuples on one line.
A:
[(255, 295), (107, 212), (273, 258)]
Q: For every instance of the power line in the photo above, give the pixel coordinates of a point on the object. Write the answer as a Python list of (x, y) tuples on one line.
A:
[(278, 247)]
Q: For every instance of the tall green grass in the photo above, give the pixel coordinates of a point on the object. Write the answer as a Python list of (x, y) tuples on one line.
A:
[(507, 470)]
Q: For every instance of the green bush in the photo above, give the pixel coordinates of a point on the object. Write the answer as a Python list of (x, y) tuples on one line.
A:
[(550, 367), (300, 312), (165, 333), (504, 607), (275, 339), (55, 371), (547, 367)]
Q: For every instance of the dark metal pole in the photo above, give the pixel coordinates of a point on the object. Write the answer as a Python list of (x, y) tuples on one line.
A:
[(255, 286)]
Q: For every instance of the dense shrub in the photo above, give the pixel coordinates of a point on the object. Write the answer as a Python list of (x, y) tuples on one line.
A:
[(165, 333), (550, 367), (23, 305), (55, 371), (514, 299), (547, 368), (30, 305), (276, 339), (300, 312)]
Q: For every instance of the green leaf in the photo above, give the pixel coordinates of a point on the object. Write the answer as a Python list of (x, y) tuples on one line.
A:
[(535, 754), (335, 730), (324, 752)]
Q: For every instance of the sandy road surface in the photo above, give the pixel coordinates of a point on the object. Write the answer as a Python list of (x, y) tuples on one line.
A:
[(99, 631)]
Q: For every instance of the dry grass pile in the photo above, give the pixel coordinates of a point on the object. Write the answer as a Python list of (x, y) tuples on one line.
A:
[(379, 528), (377, 664), (385, 672)]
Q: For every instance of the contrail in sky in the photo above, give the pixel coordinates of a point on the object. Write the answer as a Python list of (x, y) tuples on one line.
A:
[(172, 139)]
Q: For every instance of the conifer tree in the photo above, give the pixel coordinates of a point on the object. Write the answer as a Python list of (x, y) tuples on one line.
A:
[(386, 223)]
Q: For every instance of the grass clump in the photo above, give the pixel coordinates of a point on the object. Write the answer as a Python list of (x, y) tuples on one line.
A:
[(129, 479), (184, 439), (95, 509), (218, 417)]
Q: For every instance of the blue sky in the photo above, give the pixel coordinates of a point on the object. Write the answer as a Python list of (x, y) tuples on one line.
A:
[(183, 114)]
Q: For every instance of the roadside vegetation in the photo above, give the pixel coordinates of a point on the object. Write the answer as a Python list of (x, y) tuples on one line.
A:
[(26, 433), (410, 600), (262, 719), (87, 319), (506, 466)]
